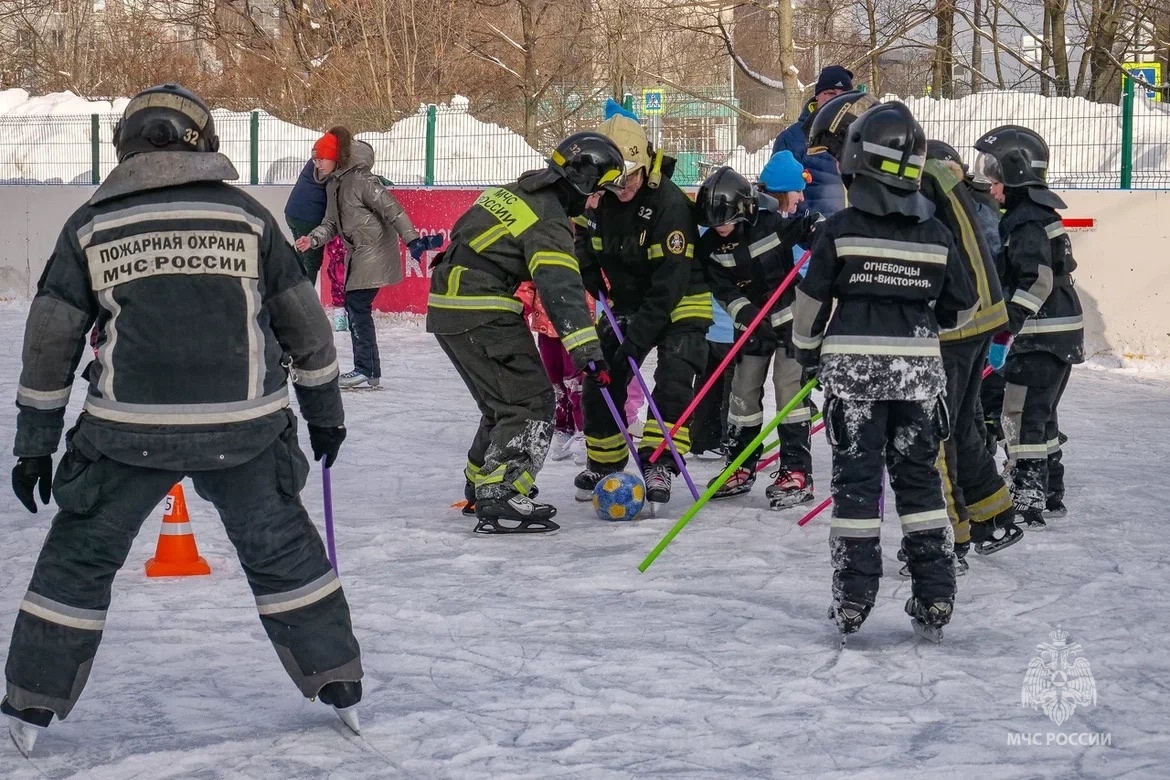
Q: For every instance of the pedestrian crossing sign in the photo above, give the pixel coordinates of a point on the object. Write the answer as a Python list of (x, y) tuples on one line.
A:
[(653, 101), (1149, 72)]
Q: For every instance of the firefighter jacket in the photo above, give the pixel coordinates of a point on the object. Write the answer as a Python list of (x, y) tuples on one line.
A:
[(646, 250), (896, 280), (202, 314), (745, 268), (955, 208), (513, 234), (1043, 308)]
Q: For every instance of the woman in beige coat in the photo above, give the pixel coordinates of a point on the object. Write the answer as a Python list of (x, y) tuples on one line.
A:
[(370, 220)]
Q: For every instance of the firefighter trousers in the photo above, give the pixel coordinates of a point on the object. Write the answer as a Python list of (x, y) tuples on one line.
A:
[(904, 437), (972, 484), (499, 363), (682, 355), (1034, 387), (103, 504), (746, 415)]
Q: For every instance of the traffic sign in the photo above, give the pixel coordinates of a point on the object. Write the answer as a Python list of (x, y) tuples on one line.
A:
[(653, 101), (1149, 72)]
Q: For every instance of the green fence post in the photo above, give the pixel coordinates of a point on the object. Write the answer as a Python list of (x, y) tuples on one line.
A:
[(432, 127), (254, 147), (1127, 132), (628, 102), (95, 148)]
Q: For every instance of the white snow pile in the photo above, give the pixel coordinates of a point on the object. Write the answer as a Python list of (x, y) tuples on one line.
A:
[(1085, 137), (48, 139)]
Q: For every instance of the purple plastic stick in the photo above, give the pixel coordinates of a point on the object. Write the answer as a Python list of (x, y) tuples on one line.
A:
[(327, 489), (678, 460)]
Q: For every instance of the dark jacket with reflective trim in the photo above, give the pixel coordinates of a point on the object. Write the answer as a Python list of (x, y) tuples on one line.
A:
[(745, 268), (646, 249), (513, 234), (1044, 310), (200, 304), (896, 281), (955, 208), (826, 192)]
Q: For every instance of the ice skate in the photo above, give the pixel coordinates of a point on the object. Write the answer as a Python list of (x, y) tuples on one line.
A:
[(718, 453), (657, 477), (343, 697), (24, 726), (560, 449), (586, 481), (739, 483), (516, 514), (848, 617), (996, 534), (928, 619), (789, 489), (1054, 506), (1033, 519), (356, 380)]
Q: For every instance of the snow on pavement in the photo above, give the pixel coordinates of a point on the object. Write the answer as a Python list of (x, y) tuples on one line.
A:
[(554, 658)]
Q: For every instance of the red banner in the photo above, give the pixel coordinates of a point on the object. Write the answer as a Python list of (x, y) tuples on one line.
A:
[(432, 211)]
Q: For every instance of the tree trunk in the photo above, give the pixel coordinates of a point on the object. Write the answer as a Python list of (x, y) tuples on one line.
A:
[(874, 67), (1102, 71), (1045, 55), (1056, 10), (999, 82), (977, 48), (529, 73), (942, 69), (793, 98)]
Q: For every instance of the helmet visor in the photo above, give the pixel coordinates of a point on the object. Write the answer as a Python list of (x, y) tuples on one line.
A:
[(613, 180), (987, 169), (721, 211)]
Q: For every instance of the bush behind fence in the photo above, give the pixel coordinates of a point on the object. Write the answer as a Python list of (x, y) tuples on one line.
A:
[(1094, 145)]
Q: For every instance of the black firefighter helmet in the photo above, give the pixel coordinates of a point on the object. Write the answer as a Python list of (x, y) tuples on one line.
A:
[(589, 162), (1012, 155), (166, 118), (725, 197), (831, 122), (886, 144)]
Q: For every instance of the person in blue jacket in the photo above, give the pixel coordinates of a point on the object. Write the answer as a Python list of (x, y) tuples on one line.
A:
[(825, 193), (305, 210)]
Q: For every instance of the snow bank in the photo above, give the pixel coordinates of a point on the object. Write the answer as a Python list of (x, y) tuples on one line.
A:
[(1085, 137), (49, 139)]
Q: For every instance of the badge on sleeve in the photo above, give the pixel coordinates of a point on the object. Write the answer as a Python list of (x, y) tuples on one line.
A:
[(676, 243)]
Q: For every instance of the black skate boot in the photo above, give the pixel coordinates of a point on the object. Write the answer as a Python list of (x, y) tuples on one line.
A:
[(469, 494), (996, 534), (1054, 506), (586, 481), (928, 618), (515, 514), (961, 550), (740, 482), (1033, 519), (343, 697), (848, 617), (657, 477), (25, 725)]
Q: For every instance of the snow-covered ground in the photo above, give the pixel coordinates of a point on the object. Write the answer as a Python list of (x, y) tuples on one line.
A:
[(554, 658)]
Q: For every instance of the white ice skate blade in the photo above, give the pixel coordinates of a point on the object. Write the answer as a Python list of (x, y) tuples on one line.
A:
[(24, 735), (583, 496), (929, 633), (349, 717), (363, 388), (655, 508)]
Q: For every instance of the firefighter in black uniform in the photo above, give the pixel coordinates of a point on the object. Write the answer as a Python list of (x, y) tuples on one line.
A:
[(977, 497), (1044, 315), (513, 234), (203, 315), (896, 278), (747, 251), (643, 240)]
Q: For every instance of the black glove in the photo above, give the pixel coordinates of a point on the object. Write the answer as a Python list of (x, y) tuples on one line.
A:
[(418, 246), (326, 442), (598, 371), (763, 340), (627, 349), (808, 373), (25, 476)]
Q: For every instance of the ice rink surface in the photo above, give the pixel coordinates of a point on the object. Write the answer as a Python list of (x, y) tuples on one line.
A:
[(552, 657)]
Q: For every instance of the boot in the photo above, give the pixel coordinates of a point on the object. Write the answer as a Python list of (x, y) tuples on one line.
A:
[(789, 489), (586, 481), (928, 618), (1054, 506), (657, 477), (25, 725), (997, 533), (848, 616), (740, 482), (343, 696)]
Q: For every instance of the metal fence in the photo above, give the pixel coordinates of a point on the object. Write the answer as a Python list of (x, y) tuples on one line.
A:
[(1094, 145)]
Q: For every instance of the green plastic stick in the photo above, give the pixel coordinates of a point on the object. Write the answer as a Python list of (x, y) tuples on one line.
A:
[(727, 472)]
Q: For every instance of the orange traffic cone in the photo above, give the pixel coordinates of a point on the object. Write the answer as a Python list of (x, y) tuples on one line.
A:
[(176, 554)]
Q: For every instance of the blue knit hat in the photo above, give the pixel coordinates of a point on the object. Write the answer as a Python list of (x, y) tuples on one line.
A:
[(613, 107), (783, 174)]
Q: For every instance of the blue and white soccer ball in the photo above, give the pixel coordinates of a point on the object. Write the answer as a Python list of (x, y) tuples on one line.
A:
[(619, 496)]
